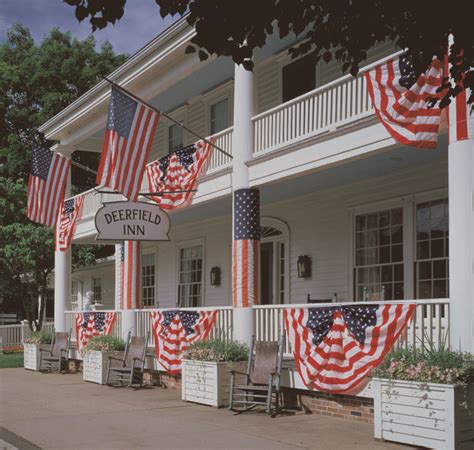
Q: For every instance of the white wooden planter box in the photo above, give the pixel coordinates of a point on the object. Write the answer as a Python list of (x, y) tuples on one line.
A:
[(31, 356), (208, 382), (94, 365), (430, 415)]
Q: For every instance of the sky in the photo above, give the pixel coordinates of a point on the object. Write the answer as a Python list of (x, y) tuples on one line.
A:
[(139, 25)]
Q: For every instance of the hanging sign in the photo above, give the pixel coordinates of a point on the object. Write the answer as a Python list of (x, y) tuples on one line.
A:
[(131, 221)]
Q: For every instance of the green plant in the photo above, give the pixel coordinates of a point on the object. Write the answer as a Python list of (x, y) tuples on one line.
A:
[(217, 350), (429, 365), (38, 337), (105, 344)]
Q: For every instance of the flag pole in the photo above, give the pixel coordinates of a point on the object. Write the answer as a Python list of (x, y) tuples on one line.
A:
[(81, 166), (177, 122)]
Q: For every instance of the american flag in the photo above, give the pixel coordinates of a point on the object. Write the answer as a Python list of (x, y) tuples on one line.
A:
[(175, 330), (130, 130), (178, 172), (130, 273), (70, 214), (400, 100), (335, 348), (245, 247), (46, 185), (90, 324)]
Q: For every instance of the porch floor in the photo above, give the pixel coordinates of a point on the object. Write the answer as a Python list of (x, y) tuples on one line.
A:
[(62, 411)]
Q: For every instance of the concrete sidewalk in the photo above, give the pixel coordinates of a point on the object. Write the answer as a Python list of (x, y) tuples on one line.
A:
[(61, 411)]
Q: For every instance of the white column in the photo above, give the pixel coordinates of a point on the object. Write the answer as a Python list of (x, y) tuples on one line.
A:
[(243, 318), (62, 265), (461, 244), (461, 222)]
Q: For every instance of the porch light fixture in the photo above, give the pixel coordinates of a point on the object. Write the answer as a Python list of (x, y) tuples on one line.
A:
[(304, 266), (216, 276)]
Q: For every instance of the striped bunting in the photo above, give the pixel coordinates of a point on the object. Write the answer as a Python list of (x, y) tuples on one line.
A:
[(175, 330), (90, 324), (336, 348), (400, 100)]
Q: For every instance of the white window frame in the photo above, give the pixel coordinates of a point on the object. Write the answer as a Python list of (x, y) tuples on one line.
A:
[(93, 292), (155, 277), (187, 244), (409, 234), (285, 239), (225, 90), (168, 129)]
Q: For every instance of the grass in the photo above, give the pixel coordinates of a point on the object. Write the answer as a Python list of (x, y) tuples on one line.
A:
[(13, 359)]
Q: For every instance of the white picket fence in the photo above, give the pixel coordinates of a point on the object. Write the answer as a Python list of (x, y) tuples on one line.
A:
[(14, 335)]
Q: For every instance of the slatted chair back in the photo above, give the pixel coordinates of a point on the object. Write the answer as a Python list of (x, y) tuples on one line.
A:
[(60, 342), (136, 349), (265, 361)]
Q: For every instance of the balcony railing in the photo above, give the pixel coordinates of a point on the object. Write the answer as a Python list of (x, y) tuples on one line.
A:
[(321, 110)]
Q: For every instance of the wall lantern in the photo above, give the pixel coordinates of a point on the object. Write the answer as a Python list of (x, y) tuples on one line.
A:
[(304, 266), (216, 276)]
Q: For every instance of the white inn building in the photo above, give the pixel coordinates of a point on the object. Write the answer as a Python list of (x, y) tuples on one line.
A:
[(365, 217)]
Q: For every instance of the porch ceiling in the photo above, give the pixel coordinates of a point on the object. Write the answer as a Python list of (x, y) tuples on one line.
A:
[(376, 165)]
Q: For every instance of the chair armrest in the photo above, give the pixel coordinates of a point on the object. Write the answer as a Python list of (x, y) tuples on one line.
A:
[(234, 372), (45, 350), (116, 359)]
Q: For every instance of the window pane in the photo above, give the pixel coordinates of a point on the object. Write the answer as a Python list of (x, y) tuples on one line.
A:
[(175, 137), (219, 116), (424, 270), (190, 276), (298, 77)]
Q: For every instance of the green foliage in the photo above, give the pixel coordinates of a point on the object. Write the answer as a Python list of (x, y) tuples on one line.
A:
[(343, 30), (105, 344), (11, 360), (217, 351), (39, 337), (36, 82), (435, 366)]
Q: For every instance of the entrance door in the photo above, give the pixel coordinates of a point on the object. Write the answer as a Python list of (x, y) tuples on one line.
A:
[(273, 263)]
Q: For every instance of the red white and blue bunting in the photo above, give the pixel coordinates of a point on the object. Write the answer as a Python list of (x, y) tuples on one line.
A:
[(174, 331), (90, 324), (336, 348)]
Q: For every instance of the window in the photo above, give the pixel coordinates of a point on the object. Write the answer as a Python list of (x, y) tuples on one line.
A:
[(219, 116), (190, 276), (74, 293), (379, 255), (96, 290), (298, 77), (432, 244), (148, 280), (175, 137)]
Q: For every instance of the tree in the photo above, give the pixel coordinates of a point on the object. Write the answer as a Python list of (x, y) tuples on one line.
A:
[(36, 82), (343, 30)]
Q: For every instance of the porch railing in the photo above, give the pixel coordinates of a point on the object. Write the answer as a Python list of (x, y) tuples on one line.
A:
[(71, 323), (218, 159), (14, 335), (321, 110), (430, 323), (221, 330)]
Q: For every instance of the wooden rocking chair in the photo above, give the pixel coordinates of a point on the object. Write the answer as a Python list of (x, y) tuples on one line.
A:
[(129, 369), (56, 357), (262, 382)]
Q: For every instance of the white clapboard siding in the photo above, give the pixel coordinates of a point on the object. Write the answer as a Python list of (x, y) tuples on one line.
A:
[(208, 382), (268, 85), (431, 415), (196, 120), (94, 365)]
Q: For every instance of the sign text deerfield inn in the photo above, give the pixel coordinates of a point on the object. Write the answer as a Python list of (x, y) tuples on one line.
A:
[(131, 221)]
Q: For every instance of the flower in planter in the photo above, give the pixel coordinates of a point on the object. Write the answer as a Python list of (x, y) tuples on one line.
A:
[(216, 350), (38, 337), (105, 344), (428, 366)]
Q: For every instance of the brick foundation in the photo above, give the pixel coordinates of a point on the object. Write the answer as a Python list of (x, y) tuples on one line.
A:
[(350, 407), (158, 378)]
